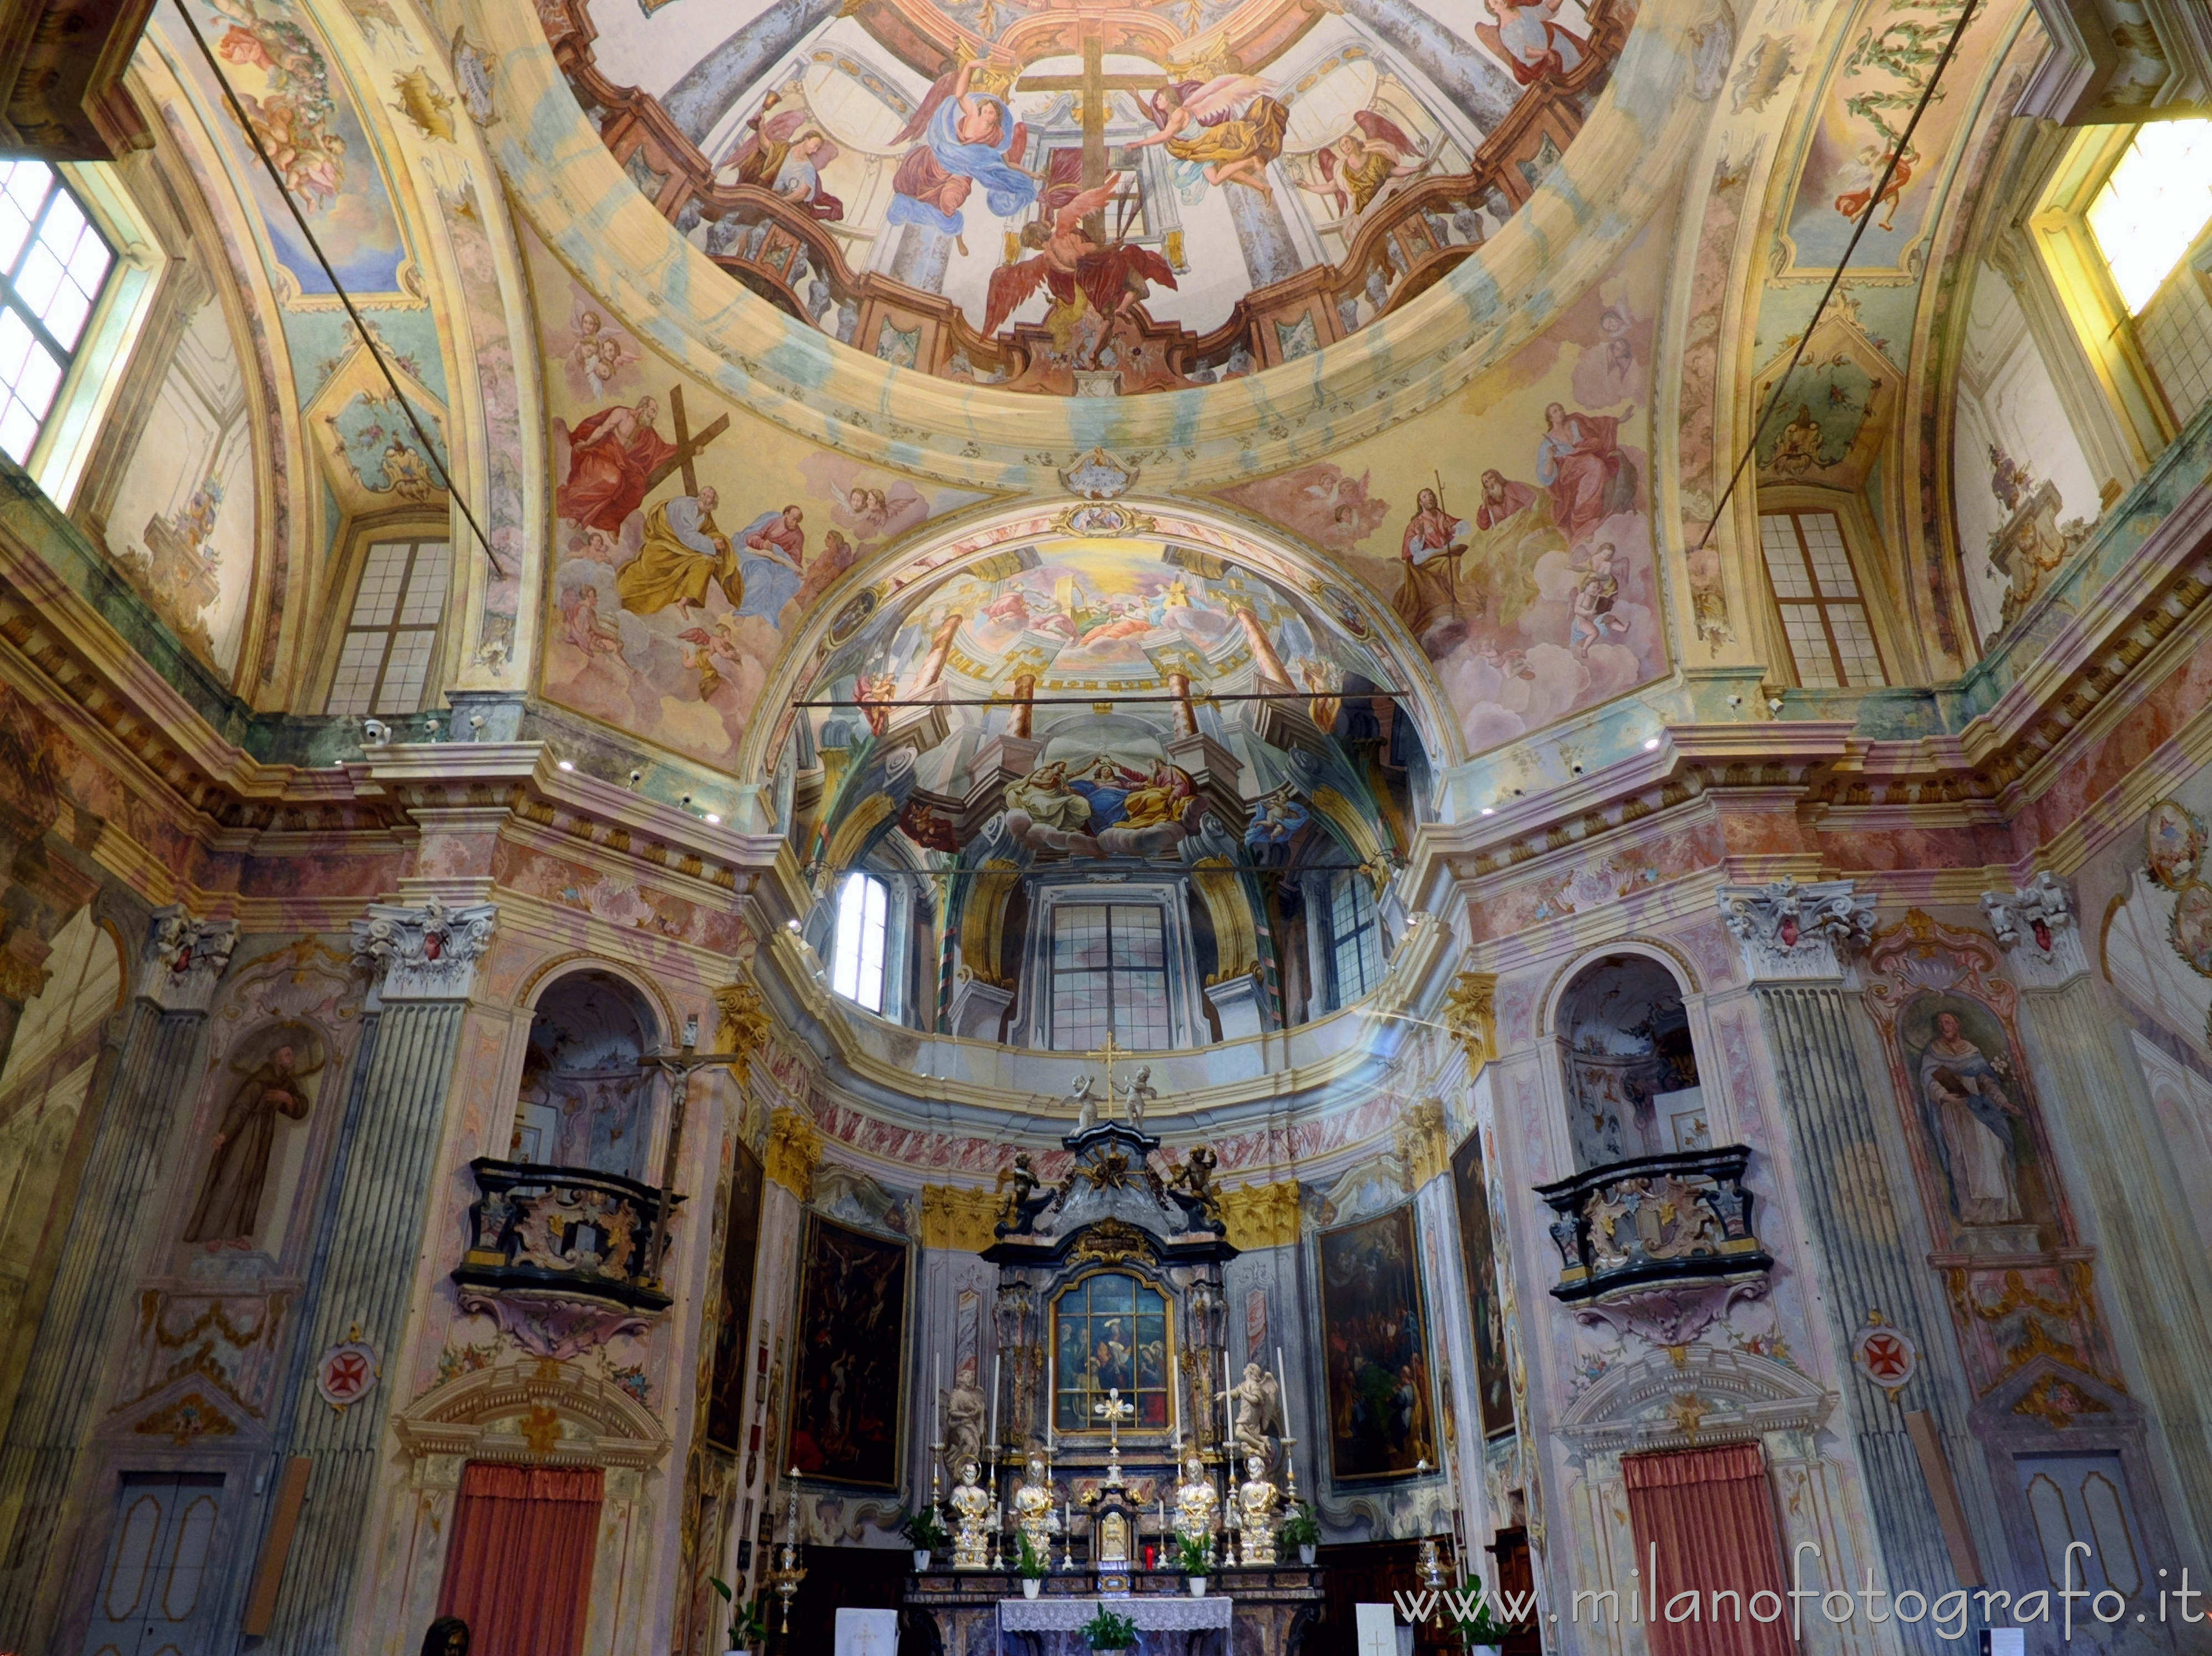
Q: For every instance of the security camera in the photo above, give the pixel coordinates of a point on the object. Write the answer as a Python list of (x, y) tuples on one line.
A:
[(1577, 769), (1735, 701), (1774, 705), (375, 732), (635, 778), (687, 801)]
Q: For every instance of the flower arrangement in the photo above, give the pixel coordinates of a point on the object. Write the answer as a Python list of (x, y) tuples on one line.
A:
[(923, 1530), (1481, 1627), (1302, 1528), (1195, 1554), (1108, 1631), (1031, 1565)]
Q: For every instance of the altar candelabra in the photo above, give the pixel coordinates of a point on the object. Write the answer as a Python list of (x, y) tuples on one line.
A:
[(789, 1572)]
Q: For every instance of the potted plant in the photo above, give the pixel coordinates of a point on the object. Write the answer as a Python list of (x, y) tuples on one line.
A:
[(1482, 1631), (1032, 1565), (1108, 1634), (747, 1621), (1194, 1553), (924, 1533), (1302, 1530)]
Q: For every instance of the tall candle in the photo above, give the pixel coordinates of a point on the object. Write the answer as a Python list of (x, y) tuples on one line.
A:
[(1283, 1390), (1174, 1402), (936, 1398), (994, 1410), (1228, 1402), (1051, 1395)]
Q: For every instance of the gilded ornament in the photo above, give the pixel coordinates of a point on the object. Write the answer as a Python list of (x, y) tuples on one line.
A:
[(1471, 1017), (1261, 1216), (954, 1216), (793, 1150), (1111, 1242), (1422, 1144), (742, 1026)]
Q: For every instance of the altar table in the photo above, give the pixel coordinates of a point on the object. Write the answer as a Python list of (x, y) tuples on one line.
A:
[(1166, 1626)]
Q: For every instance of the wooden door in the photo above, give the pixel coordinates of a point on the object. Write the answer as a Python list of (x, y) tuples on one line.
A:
[(151, 1601)]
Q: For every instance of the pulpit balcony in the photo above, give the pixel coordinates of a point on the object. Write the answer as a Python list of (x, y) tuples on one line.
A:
[(1654, 1220), (572, 1230)]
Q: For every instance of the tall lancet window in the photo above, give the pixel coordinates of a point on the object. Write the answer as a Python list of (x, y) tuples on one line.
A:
[(856, 965), (53, 263)]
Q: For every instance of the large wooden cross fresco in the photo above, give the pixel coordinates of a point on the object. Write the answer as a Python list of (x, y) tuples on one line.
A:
[(1094, 83)]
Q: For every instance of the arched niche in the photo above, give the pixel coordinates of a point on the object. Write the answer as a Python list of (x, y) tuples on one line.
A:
[(1628, 1061), (586, 1092)]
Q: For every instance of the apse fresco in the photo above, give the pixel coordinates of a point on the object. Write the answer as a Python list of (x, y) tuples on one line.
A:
[(852, 1354), (1514, 544), (1069, 201), (1375, 1341), (688, 536)]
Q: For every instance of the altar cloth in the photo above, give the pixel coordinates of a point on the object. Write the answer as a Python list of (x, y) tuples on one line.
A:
[(1151, 1612)]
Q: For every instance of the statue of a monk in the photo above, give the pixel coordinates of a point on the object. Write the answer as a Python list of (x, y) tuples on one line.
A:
[(230, 1197)]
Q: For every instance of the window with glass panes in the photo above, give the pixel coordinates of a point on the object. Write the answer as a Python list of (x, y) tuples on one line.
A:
[(1355, 938), (856, 958), (1823, 614), (53, 261), (2153, 208), (391, 636), (1108, 972)]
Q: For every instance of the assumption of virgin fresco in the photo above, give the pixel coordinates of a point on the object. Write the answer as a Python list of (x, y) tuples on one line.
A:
[(1105, 827)]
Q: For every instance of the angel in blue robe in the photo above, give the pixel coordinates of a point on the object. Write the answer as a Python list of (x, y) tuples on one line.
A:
[(771, 556), (968, 139)]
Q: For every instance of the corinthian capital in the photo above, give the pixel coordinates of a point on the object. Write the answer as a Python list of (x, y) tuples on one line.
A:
[(183, 958), (428, 953), (1789, 930), (2036, 928)]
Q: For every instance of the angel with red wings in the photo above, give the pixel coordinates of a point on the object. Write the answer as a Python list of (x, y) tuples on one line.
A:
[(1355, 167), (1198, 122), (1075, 267)]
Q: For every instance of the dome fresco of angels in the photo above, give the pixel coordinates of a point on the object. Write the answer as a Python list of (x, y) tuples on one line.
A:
[(1093, 201)]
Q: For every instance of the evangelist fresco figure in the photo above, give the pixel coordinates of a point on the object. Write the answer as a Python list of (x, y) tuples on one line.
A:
[(1579, 459)]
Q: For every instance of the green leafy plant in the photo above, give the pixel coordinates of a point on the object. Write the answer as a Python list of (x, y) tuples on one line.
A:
[(747, 1622), (1481, 1627), (1108, 1631), (923, 1530), (1302, 1528), (1031, 1565), (1195, 1554)]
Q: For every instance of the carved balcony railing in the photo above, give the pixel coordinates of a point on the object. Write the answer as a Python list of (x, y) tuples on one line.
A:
[(1654, 1221), (570, 1230)]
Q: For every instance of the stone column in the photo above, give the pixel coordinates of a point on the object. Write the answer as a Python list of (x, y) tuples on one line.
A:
[(101, 1263), (1464, 73), (1793, 939), (2094, 1096), (698, 101), (422, 964)]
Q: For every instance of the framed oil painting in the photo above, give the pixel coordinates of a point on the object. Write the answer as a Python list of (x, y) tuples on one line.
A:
[(852, 1354), (1493, 1384), (740, 1240), (1374, 1332)]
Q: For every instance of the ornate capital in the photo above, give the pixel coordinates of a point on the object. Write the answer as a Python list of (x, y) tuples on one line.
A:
[(742, 1026), (1789, 930), (428, 953), (793, 1148), (1470, 1013), (1261, 1216), (956, 1216), (1422, 1143), (183, 959), (2036, 928)]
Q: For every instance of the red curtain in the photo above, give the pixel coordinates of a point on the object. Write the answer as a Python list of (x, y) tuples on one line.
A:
[(518, 1570), (1710, 1514)]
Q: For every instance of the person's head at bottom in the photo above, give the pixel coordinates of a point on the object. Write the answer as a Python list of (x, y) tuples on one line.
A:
[(448, 1636)]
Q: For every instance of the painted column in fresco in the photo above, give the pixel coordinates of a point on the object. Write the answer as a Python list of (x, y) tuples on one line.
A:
[(1793, 939), (1263, 236), (421, 962), (1472, 79), (704, 95), (2130, 1172), (178, 967), (919, 258)]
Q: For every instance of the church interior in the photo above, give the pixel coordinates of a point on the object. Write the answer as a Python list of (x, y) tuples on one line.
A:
[(763, 887)]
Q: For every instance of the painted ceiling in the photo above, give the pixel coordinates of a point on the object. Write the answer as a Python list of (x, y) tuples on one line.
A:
[(1094, 201)]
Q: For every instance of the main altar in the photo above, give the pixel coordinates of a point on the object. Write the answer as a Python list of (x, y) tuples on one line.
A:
[(1112, 1426)]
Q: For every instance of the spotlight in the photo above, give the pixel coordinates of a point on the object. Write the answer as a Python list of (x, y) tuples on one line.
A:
[(567, 764), (1489, 811), (1651, 745), (1774, 705), (791, 926), (1735, 701), (713, 821)]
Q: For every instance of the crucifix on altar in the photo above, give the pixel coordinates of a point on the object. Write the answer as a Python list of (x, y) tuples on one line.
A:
[(1113, 1411), (1111, 1051), (1094, 83)]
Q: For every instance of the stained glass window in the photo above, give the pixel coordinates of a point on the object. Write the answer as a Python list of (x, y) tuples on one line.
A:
[(1110, 1331)]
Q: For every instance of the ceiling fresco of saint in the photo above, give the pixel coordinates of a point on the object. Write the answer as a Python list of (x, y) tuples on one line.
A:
[(1089, 203)]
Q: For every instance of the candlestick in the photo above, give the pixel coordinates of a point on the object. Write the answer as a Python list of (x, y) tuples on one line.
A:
[(1282, 1391), (1051, 1398), (936, 1396), (1175, 1399), (1228, 1403), (994, 1407), (1066, 1535)]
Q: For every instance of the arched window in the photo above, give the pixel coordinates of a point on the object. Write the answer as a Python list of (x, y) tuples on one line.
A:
[(856, 962), (1110, 1333), (1355, 937)]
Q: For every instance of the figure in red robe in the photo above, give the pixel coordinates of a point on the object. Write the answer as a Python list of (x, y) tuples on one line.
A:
[(1580, 461), (613, 456), (1502, 498)]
